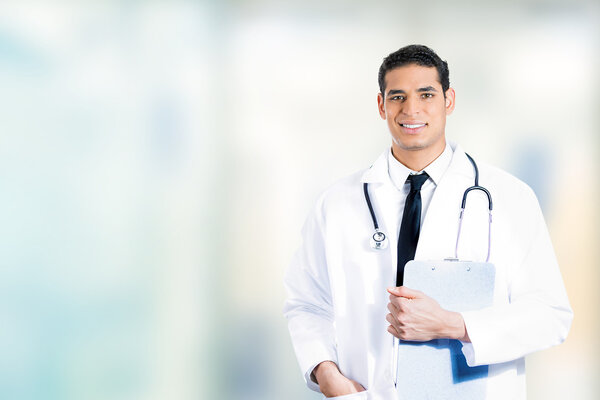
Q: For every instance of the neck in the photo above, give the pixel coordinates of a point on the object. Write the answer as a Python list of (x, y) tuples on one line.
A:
[(417, 160)]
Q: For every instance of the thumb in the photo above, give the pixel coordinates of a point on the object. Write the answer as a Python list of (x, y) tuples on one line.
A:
[(394, 290), (403, 291)]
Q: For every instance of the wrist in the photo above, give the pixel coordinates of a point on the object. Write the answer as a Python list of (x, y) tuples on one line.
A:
[(456, 328)]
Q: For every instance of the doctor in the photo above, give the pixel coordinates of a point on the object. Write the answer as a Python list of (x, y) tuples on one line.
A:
[(346, 301)]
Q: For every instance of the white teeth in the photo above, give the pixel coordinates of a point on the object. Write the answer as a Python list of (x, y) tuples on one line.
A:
[(412, 126)]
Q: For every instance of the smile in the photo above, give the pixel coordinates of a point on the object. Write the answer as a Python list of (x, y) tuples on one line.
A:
[(413, 126)]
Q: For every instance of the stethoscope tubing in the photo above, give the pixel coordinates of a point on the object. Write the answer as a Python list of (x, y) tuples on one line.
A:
[(368, 198), (378, 238)]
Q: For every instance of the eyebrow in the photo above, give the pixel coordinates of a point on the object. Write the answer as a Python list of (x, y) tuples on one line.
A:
[(419, 90), (426, 89)]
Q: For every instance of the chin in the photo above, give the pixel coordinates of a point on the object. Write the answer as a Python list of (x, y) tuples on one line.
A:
[(412, 146)]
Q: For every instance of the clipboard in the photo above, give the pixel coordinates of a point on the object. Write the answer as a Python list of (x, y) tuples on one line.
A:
[(437, 369)]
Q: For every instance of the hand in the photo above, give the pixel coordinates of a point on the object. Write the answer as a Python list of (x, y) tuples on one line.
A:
[(417, 317), (331, 381)]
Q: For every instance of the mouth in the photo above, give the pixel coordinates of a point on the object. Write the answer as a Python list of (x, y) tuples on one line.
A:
[(413, 127)]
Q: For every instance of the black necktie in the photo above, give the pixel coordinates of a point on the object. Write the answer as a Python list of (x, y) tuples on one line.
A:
[(411, 225)]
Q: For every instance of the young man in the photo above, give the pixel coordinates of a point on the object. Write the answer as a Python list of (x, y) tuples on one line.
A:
[(346, 300)]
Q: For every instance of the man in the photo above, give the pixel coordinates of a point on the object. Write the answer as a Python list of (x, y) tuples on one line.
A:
[(346, 300)]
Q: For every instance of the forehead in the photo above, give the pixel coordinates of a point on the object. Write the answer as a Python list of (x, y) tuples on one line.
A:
[(412, 76)]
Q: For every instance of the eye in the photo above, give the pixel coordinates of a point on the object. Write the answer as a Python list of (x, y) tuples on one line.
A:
[(397, 98), (427, 95)]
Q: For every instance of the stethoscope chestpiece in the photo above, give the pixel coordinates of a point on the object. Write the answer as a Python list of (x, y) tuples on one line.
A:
[(378, 240)]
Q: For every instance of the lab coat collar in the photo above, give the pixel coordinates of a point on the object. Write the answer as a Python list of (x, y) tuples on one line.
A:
[(378, 173), (460, 164)]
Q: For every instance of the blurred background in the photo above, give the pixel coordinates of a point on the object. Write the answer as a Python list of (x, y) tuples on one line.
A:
[(158, 158)]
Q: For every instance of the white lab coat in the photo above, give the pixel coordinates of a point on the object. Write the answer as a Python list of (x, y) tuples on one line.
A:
[(336, 284)]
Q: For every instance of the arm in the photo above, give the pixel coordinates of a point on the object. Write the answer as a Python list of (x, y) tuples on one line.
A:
[(538, 314), (309, 310), (308, 307)]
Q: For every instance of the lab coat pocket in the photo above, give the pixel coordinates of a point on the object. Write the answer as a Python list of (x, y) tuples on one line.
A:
[(352, 396)]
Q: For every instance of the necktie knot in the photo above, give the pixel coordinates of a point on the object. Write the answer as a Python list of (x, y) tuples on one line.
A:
[(416, 181)]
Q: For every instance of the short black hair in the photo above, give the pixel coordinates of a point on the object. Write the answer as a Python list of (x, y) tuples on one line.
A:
[(415, 54)]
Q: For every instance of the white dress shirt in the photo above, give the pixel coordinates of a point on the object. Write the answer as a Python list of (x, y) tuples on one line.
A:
[(399, 175)]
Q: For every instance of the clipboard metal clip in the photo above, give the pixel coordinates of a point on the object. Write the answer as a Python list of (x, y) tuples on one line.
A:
[(455, 259)]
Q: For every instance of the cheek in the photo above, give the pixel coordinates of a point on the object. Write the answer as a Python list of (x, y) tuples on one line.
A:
[(389, 116), (391, 120), (438, 113), (391, 113)]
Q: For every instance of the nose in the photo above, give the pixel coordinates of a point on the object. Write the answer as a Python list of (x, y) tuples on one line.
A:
[(410, 106)]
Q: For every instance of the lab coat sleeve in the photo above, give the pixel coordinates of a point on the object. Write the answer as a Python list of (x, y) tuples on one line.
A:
[(308, 307), (538, 314)]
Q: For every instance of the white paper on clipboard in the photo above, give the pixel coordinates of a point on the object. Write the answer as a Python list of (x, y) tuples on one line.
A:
[(437, 369)]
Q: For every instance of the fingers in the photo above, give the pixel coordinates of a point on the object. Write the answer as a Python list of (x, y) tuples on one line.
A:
[(392, 308), (399, 329), (392, 320), (400, 322), (400, 304)]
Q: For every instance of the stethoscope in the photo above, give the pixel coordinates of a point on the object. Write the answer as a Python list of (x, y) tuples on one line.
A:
[(379, 240)]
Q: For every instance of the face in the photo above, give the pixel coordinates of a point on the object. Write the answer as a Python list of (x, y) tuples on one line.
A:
[(415, 109)]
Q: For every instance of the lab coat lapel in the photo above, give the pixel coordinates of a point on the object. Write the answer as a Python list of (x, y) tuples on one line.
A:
[(384, 196), (440, 227), (438, 234)]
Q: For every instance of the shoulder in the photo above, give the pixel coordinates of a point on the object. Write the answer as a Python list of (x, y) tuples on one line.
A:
[(341, 191), (494, 176), (508, 192), (337, 200), (346, 194)]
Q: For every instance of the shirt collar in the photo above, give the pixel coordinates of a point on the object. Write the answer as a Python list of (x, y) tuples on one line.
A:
[(398, 172)]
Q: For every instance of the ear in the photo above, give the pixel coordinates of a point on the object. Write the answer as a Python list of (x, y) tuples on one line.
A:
[(450, 100), (381, 105)]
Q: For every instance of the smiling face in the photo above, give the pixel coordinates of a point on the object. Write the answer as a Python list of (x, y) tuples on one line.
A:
[(415, 109)]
